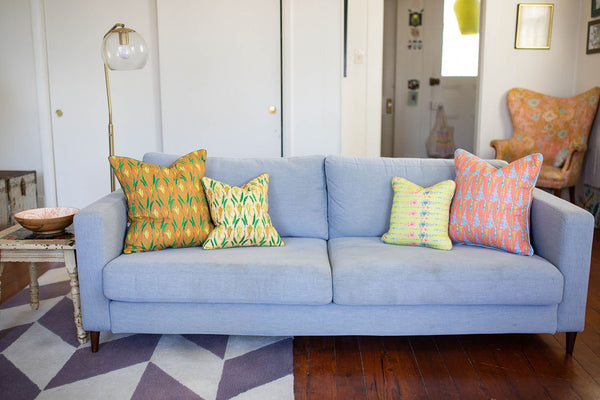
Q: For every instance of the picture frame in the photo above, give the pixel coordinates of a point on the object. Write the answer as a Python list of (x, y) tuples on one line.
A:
[(534, 26), (595, 8), (593, 37)]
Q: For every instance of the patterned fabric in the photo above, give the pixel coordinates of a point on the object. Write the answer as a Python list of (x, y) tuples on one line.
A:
[(240, 214), (166, 207), (420, 215), (491, 206), (553, 126)]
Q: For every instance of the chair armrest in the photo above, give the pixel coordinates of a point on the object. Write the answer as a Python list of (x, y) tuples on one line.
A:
[(99, 234), (502, 148), (572, 152), (562, 233)]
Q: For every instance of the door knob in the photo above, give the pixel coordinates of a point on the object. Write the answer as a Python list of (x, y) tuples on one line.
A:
[(59, 113), (272, 110)]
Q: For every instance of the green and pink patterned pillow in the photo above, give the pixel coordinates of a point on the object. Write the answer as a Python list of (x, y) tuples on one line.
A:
[(491, 206), (419, 215), (240, 214)]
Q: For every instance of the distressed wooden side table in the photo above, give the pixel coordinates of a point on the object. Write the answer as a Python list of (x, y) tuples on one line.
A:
[(18, 244)]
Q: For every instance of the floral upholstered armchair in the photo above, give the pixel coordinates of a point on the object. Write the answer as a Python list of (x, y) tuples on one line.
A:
[(556, 127)]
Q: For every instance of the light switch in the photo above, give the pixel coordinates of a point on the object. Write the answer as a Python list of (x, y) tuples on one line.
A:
[(359, 56)]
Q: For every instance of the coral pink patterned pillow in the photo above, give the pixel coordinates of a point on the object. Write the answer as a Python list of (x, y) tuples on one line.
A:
[(491, 206)]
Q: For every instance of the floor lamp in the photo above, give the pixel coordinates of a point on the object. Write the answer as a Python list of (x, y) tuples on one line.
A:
[(122, 49)]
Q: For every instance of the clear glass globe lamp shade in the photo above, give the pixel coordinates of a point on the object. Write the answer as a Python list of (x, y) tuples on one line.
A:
[(124, 49)]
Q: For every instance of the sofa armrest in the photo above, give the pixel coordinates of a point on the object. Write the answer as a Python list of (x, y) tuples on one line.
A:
[(99, 234), (562, 233)]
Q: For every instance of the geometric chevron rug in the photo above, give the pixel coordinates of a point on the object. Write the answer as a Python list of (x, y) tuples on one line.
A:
[(40, 358)]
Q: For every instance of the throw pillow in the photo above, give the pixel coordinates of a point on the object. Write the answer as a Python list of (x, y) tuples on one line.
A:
[(166, 206), (491, 206), (240, 214), (420, 215)]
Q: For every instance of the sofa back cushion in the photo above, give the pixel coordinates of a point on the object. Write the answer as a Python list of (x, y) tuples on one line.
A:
[(360, 190), (297, 194)]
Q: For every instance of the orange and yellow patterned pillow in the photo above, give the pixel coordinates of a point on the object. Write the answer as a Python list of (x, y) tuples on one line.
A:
[(240, 214), (166, 206), (491, 206)]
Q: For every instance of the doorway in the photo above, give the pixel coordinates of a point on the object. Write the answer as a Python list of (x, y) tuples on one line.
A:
[(413, 87)]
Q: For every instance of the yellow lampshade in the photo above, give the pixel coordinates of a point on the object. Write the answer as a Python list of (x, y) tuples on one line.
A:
[(467, 14)]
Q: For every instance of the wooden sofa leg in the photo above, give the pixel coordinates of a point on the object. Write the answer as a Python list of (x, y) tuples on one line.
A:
[(570, 342), (558, 192), (95, 338)]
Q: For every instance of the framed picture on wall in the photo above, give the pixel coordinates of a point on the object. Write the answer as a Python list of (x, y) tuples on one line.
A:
[(593, 37), (595, 8), (534, 26)]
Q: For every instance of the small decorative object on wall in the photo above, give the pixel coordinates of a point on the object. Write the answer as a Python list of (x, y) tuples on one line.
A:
[(534, 26), (413, 97), (413, 84), (595, 8), (415, 20), (593, 37)]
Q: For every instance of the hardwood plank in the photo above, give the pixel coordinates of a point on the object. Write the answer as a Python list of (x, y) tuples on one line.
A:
[(591, 335), (301, 369), (402, 360), (349, 375), (568, 366), (480, 350), (523, 379), (584, 356), (467, 382), (380, 379), (548, 374), (321, 368), (435, 375)]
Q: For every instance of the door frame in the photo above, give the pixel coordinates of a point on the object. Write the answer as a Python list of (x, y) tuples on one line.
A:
[(42, 77)]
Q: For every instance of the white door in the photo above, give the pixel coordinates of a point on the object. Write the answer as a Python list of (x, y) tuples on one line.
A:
[(74, 32), (220, 76), (413, 120)]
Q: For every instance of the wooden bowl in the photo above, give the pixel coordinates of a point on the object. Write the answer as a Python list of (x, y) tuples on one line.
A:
[(46, 221)]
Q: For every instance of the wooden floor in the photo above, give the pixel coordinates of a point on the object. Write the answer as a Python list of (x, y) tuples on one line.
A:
[(454, 367), (437, 367)]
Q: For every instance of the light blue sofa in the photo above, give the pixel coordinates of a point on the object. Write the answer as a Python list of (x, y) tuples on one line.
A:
[(334, 276)]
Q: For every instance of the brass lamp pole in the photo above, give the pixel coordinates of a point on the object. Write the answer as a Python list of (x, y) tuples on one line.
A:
[(122, 49)]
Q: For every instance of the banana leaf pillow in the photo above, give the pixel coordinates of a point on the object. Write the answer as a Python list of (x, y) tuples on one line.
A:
[(166, 206), (240, 214)]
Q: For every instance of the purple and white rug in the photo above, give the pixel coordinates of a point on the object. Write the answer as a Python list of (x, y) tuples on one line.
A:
[(40, 358)]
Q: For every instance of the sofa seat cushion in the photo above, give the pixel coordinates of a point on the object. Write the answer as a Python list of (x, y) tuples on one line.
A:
[(298, 273), (367, 271)]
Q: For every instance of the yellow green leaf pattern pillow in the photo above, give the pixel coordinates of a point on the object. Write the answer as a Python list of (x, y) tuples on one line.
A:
[(420, 215), (166, 206), (240, 214)]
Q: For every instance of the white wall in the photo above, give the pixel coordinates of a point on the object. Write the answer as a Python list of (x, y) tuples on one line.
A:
[(503, 67), (361, 88), (74, 32), (312, 32), (312, 76), (19, 138), (588, 66)]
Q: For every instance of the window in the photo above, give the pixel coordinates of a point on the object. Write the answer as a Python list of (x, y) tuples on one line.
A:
[(460, 53)]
